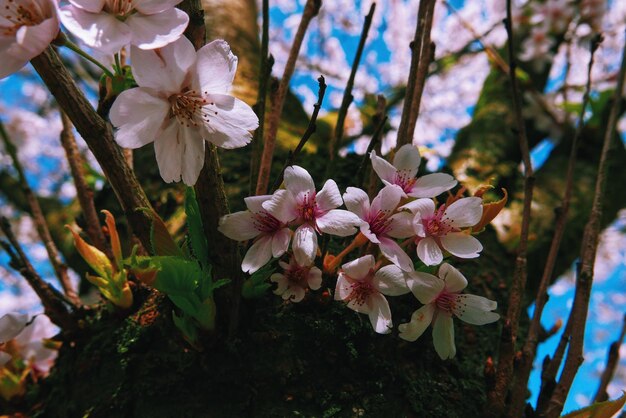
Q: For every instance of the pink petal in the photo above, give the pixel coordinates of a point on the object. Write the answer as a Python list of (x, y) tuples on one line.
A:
[(360, 268), (193, 155), (216, 68), (420, 320), (401, 225), (281, 281), (154, 6), (443, 336), (390, 249), (258, 255), (454, 280), (385, 171), (93, 6), (229, 121), (33, 40), (101, 31), (280, 242), (238, 226), (432, 185), (140, 117), (429, 252), (475, 309), (304, 243), (165, 69), (315, 278), (282, 206), (169, 152), (357, 201), (461, 245), (465, 212), (255, 203), (338, 222), (9, 64), (343, 287), (329, 197), (391, 281), (157, 30), (387, 199), (380, 314), (294, 294), (425, 287), (407, 159), (11, 325), (299, 182), (425, 207)]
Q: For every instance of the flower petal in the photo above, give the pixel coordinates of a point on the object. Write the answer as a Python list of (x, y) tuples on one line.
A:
[(294, 294), (258, 255), (329, 197), (432, 185), (401, 225), (465, 212), (380, 314), (395, 254), (429, 252), (304, 244), (299, 182), (425, 287), (238, 226), (228, 122), (454, 280), (338, 222), (101, 31), (407, 159), (443, 336), (387, 199), (32, 40), (385, 171), (11, 325), (157, 30), (315, 278), (193, 155), (216, 67), (149, 7), (140, 117), (461, 245), (255, 203), (420, 320), (475, 309), (357, 201), (169, 152), (425, 207), (282, 206), (343, 287), (360, 268), (280, 242), (281, 282), (391, 281), (93, 6)]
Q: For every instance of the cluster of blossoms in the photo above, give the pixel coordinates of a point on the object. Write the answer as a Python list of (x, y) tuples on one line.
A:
[(182, 98), (404, 215)]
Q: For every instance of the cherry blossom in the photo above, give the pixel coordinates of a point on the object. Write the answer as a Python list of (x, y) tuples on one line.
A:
[(11, 325), (109, 25), (442, 298), (440, 229), (380, 224), (295, 279), (182, 100), (403, 171), (362, 289), (314, 212), (24, 337), (26, 28), (271, 235)]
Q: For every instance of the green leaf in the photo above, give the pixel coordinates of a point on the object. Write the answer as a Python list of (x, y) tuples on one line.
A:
[(600, 410), (185, 324), (178, 279), (257, 285), (205, 284), (162, 242), (199, 246)]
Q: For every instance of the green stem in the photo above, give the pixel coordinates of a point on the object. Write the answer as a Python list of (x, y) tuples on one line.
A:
[(118, 64), (71, 45)]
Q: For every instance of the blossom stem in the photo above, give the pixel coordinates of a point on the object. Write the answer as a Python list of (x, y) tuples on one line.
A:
[(72, 46), (118, 64)]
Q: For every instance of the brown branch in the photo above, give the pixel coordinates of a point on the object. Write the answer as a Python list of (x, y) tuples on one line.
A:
[(310, 130), (84, 194), (379, 120), (504, 372), (311, 9), (54, 303), (337, 138), (550, 368), (584, 279), (421, 49), (60, 269), (611, 365), (99, 137), (522, 373)]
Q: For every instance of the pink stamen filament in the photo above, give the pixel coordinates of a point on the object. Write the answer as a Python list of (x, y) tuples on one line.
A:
[(190, 108), (361, 290)]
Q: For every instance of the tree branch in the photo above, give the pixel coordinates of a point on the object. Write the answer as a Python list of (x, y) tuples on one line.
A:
[(611, 365)]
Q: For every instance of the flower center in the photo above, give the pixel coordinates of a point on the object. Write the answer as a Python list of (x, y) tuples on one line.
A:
[(297, 274), (446, 301), (21, 13), (190, 108), (361, 290), (437, 224), (404, 180), (380, 223), (307, 209), (119, 8), (266, 223)]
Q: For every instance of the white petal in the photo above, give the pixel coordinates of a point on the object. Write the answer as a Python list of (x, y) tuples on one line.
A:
[(32, 40), (420, 320), (255, 203), (338, 222), (423, 207), (395, 254), (329, 197), (380, 314), (228, 121), (360, 268), (294, 294), (475, 309), (101, 31), (11, 325), (238, 226), (93, 6), (424, 286), (9, 64), (461, 245), (429, 252), (407, 159), (258, 255), (298, 181), (454, 280), (315, 278), (281, 282), (140, 117), (464, 212), (343, 287), (401, 225), (282, 206), (357, 201), (280, 242), (385, 171), (387, 199), (432, 185), (193, 155), (304, 243), (157, 30), (164, 69), (216, 67), (391, 281), (443, 336), (169, 152), (154, 6)]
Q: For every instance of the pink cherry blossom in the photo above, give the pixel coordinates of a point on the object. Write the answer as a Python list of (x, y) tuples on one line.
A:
[(182, 100), (442, 298), (26, 28), (109, 25), (403, 171), (271, 235), (362, 289), (295, 279), (27, 336), (380, 224), (313, 211), (441, 229)]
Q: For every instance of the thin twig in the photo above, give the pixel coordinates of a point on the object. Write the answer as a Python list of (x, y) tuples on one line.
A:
[(611, 365), (310, 130), (54, 303), (337, 138), (550, 369), (379, 120), (421, 49), (60, 269), (504, 372), (584, 279), (311, 9), (522, 373)]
